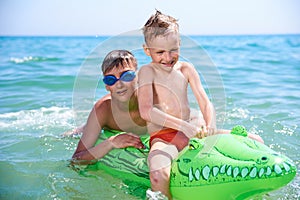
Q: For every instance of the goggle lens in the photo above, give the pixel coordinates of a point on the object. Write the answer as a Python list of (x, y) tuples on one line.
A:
[(125, 76)]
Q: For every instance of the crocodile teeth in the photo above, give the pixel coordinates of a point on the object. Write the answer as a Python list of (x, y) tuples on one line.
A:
[(277, 169), (269, 171), (197, 174), (253, 172), (205, 172), (286, 167), (191, 177), (229, 171), (222, 170), (215, 171), (244, 172), (261, 172), (235, 172)]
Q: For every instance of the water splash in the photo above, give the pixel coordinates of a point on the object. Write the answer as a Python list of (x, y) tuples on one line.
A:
[(43, 119)]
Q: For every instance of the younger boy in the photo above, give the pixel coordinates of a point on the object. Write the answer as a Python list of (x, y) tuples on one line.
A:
[(163, 100)]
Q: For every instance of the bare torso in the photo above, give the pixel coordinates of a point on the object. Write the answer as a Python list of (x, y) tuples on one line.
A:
[(121, 119), (170, 93)]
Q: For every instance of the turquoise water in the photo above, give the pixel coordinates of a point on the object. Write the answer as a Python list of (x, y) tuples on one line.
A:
[(49, 84)]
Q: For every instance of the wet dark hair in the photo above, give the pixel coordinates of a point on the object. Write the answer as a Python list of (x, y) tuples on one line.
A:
[(118, 58)]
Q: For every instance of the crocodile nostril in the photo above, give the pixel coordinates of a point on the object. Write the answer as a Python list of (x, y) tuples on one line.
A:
[(264, 158)]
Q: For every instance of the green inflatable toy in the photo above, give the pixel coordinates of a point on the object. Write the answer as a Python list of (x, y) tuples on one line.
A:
[(224, 166)]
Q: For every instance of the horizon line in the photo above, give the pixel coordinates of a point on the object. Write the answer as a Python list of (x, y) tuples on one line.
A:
[(110, 35)]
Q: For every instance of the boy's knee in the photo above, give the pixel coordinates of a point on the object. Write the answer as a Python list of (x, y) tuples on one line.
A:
[(159, 160), (159, 176)]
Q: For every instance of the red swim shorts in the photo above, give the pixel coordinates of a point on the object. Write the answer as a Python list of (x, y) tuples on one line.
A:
[(171, 136)]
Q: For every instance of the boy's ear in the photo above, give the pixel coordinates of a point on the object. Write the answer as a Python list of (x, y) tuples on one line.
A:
[(146, 49)]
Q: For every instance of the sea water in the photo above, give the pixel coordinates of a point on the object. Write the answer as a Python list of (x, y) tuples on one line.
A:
[(49, 84)]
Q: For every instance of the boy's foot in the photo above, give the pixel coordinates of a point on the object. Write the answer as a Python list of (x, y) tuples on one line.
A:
[(155, 195)]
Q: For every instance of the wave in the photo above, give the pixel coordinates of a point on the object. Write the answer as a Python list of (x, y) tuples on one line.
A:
[(28, 59), (268, 61), (47, 120), (238, 113)]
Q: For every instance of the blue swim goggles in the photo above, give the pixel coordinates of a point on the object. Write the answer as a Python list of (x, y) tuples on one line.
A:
[(126, 76)]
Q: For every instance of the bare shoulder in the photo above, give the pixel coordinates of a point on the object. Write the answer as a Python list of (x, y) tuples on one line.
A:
[(103, 105), (100, 111), (145, 74), (185, 65), (186, 68), (146, 69)]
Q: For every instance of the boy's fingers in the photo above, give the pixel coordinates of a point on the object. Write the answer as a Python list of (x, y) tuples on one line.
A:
[(200, 132)]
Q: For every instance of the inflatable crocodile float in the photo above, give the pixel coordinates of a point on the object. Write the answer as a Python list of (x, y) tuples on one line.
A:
[(224, 166)]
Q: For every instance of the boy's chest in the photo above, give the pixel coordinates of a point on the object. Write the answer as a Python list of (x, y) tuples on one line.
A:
[(174, 82), (127, 121), (170, 94)]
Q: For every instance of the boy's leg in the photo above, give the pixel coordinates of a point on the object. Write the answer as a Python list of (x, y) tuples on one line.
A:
[(159, 161)]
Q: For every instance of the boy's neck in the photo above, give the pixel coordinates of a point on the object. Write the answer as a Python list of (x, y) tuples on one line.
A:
[(127, 106)]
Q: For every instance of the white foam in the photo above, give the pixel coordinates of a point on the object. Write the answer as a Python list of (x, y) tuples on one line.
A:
[(37, 119), (22, 60)]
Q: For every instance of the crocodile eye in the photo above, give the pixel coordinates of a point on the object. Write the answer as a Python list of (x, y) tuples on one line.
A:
[(191, 146), (195, 144)]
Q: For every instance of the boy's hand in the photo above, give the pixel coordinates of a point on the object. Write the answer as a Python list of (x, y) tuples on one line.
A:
[(205, 131), (201, 132), (126, 140), (210, 131)]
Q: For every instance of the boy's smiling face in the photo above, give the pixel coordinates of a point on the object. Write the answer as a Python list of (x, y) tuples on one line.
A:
[(164, 50)]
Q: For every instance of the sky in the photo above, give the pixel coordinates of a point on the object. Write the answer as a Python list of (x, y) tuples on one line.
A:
[(113, 17)]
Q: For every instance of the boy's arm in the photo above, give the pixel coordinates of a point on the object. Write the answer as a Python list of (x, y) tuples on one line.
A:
[(152, 114), (204, 103), (86, 151)]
